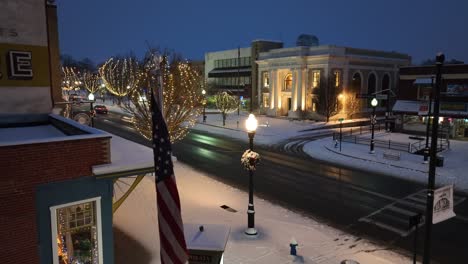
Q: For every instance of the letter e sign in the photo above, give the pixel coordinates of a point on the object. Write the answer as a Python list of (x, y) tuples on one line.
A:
[(19, 65)]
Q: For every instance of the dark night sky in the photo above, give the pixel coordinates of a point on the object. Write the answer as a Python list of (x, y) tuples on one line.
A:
[(99, 29)]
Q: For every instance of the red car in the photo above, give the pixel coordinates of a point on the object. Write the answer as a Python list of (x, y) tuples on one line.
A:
[(100, 109)]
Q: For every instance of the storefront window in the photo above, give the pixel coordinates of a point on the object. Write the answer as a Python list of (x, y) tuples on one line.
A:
[(76, 233)]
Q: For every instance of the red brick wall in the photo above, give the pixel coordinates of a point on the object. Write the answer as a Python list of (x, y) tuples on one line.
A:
[(22, 168)]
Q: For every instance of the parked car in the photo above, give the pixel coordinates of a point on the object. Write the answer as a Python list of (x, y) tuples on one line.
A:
[(100, 109)]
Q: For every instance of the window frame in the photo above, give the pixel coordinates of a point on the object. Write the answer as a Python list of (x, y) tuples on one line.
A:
[(285, 88), (53, 223)]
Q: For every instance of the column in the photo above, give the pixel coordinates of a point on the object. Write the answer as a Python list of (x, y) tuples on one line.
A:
[(293, 90), (300, 91), (277, 91), (272, 88)]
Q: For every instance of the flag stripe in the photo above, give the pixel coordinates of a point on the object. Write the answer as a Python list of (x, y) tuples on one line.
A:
[(166, 231), (164, 212), (168, 198), (165, 247)]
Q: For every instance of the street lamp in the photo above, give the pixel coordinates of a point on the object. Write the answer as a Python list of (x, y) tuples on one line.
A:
[(91, 110), (204, 105), (251, 125), (374, 103)]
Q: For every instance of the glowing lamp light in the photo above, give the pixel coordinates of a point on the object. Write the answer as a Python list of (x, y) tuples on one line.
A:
[(374, 102), (203, 92), (128, 86), (340, 96), (91, 96), (103, 85), (251, 123)]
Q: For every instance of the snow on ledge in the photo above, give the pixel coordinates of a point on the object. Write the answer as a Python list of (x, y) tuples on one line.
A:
[(125, 156)]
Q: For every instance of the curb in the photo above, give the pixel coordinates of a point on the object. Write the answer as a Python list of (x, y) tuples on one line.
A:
[(396, 166)]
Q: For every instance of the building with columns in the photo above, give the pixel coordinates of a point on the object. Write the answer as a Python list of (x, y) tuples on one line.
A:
[(321, 82)]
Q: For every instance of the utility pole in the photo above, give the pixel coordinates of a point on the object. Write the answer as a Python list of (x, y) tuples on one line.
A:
[(238, 79), (432, 162)]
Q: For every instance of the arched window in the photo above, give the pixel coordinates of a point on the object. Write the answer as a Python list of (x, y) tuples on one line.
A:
[(371, 84), (356, 83), (287, 82)]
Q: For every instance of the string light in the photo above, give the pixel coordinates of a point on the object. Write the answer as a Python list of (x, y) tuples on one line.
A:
[(120, 76), (91, 81), (182, 102)]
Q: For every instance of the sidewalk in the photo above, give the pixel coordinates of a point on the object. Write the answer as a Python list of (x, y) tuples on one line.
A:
[(271, 130), (201, 198), (410, 166)]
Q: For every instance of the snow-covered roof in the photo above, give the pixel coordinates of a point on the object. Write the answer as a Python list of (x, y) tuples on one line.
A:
[(212, 238), (127, 159), (33, 129)]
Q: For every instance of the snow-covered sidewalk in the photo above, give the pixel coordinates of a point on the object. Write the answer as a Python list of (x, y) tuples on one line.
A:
[(410, 166), (201, 198), (270, 130)]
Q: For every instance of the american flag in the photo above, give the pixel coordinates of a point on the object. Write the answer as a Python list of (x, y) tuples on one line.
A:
[(171, 232)]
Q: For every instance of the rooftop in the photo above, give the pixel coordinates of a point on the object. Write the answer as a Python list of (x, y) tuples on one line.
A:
[(21, 129)]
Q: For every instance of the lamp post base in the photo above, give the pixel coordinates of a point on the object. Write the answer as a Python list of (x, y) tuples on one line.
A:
[(251, 231)]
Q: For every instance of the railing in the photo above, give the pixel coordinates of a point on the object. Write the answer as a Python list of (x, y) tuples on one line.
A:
[(377, 142), (362, 130)]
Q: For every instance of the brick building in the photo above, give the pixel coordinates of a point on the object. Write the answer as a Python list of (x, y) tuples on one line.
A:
[(56, 176), (414, 92)]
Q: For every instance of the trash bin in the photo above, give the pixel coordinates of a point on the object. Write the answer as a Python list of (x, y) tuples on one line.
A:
[(439, 161)]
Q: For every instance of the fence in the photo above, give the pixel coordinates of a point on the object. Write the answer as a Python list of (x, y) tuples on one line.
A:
[(377, 142)]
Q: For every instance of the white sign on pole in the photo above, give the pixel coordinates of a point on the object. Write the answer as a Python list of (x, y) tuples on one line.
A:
[(443, 204), (423, 109)]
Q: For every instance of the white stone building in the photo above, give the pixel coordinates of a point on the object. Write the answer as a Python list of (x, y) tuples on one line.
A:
[(316, 81)]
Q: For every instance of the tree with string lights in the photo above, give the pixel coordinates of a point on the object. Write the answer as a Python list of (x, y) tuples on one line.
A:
[(120, 76), (91, 81), (70, 79), (182, 100), (226, 104)]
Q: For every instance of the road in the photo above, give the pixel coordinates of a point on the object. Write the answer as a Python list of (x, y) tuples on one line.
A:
[(368, 205)]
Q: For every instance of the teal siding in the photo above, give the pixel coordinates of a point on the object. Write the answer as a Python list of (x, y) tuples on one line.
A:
[(57, 193)]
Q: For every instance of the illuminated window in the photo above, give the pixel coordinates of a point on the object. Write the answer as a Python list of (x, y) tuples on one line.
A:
[(266, 100), (337, 75), (76, 232), (314, 107), (266, 79), (315, 79), (287, 82)]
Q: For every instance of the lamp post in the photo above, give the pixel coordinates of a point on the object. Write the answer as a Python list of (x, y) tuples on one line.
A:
[(432, 161), (251, 125), (204, 105), (91, 99), (428, 124), (374, 103)]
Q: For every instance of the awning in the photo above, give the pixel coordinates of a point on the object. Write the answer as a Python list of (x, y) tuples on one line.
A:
[(423, 81), (447, 109), (230, 72)]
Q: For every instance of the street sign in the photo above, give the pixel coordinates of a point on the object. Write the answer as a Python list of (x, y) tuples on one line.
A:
[(360, 96), (373, 119), (341, 119), (443, 204), (381, 96)]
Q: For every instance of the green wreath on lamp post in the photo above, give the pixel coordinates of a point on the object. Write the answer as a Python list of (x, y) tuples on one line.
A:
[(250, 159)]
